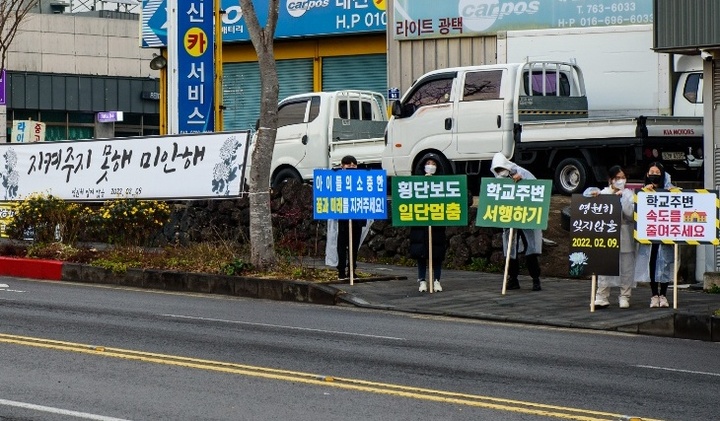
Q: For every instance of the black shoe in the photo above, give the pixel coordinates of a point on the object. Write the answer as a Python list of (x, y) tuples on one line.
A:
[(512, 284), (536, 285)]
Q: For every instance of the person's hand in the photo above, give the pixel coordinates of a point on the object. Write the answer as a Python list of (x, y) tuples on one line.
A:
[(516, 177), (650, 186)]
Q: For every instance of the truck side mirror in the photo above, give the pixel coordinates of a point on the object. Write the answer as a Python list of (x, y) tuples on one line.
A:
[(396, 109)]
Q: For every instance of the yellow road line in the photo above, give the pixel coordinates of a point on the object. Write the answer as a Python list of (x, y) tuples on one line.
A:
[(479, 401)]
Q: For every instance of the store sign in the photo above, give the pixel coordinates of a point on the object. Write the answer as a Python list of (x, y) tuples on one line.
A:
[(440, 200), (349, 194), (109, 116), (196, 67), (208, 165), (27, 131), (2, 87), (297, 18), (416, 19)]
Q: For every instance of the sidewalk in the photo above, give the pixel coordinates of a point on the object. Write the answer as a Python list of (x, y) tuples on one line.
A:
[(561, 303)]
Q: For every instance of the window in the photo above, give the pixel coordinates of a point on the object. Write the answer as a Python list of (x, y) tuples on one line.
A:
[(551, 87), (480, 86), (355, 110), (292, 113), (432, 92), (692, 85), (314, 108)]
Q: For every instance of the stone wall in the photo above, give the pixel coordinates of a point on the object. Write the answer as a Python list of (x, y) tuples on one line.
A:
[(295, 229)]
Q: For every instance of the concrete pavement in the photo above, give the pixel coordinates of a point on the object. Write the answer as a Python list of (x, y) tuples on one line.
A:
[(466, 294), (561, 303)]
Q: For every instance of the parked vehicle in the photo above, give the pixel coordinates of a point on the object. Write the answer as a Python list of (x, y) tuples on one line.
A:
[(623, 75), (537, 114), (315, 130)]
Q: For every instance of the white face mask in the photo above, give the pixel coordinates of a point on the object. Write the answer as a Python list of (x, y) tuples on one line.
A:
[(430, 169), (503, 173), (619, 184)]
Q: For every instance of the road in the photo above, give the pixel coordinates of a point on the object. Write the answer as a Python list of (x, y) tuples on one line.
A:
[(70, 351)]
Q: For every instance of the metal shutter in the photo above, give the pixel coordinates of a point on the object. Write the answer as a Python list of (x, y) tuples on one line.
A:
[(368, 72), (241, 89)]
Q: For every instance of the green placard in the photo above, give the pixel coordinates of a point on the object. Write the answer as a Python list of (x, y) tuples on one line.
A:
[(504, 203), (439, 200)]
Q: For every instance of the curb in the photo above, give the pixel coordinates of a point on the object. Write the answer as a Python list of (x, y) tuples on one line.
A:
[(50, 270)]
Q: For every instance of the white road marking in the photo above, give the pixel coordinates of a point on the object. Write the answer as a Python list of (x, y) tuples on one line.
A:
[(4, 286), (58, 411), (209, 319), (704, 373)]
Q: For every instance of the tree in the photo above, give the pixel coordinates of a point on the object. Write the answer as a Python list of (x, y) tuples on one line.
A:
[(12, 13), (262, 246)]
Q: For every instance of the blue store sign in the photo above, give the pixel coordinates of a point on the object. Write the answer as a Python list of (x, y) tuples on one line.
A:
[(297, 18)]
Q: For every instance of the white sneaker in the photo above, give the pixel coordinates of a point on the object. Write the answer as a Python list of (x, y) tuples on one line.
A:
[(664, 301), (624, 302), (654, 301), (423, 286), (436, 286), (601, 302)]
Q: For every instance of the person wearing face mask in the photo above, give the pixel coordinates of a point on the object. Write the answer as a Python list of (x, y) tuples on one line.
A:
[(626, 280), (655, 262), (528, 241), (419, 242)]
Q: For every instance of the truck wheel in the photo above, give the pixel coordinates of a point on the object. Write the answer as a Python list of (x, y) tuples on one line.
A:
[(284, 175), (571, 176)]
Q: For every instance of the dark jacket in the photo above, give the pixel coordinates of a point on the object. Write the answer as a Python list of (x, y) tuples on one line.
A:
[(419, 243)]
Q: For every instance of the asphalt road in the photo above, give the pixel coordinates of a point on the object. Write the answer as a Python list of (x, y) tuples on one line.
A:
[(91, 352)]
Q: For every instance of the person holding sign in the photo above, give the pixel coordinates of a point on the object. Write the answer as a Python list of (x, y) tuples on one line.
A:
[(626, 280), (347, 260), (420, 241), (655, 262), (528, 241)]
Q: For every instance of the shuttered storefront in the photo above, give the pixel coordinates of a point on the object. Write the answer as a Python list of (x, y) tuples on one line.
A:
[(368, 72), (241, 89)]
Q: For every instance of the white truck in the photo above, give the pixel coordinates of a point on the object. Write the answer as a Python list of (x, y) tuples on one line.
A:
[(618, 64), (315, 130), (535, 113)]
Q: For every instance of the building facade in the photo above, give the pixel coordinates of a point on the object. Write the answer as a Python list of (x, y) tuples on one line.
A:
[(62, 69), (691, 27)]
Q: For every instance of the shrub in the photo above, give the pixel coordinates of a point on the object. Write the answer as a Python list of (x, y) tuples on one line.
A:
[(132, 221), (49, 219)]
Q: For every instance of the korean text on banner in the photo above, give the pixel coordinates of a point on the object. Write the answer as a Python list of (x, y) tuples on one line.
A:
[(595, 232), (440, 200), (349, 194), (677, 216), (505, 203)]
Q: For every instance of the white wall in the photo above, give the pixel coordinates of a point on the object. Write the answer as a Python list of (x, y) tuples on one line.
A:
[(63, 43), (623, 75)]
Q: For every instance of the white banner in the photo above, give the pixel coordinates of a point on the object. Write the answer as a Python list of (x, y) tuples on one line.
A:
[(206, 165), (682, 216)]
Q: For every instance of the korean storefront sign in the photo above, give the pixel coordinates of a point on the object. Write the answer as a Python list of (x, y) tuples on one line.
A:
[(505, 203), (595, 235), (349, 194), (296, 18), (27, 131), (678, 216), (209, 165), (440, 200), (470, 18), (196, 67)]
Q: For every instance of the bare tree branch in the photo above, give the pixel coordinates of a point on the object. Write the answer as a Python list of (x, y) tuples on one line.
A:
[(12, 14)]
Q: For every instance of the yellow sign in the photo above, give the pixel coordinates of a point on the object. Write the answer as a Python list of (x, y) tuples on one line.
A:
[(7, 213)]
